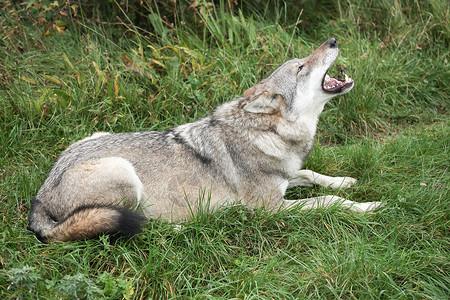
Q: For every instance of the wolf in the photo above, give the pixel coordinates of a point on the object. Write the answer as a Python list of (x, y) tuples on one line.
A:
[(248, 150)]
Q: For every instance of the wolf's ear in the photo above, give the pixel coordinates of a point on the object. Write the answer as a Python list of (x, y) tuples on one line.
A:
[(264, 103), (249, 92), (255, 89)]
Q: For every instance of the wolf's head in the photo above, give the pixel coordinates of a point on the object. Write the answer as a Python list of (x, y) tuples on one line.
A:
[(300, 86)]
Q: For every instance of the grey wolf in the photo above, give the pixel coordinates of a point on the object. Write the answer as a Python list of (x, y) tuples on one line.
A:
[(248, 150)]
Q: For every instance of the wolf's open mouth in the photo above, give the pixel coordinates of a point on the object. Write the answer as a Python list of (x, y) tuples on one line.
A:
[(336, 85)]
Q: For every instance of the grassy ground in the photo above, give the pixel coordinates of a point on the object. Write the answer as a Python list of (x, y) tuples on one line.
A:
[(66, 72)]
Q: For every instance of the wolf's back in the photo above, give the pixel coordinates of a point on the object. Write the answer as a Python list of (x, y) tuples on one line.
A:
[(84, 222)]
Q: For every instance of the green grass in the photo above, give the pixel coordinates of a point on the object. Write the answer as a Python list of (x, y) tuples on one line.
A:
[(155, 67)]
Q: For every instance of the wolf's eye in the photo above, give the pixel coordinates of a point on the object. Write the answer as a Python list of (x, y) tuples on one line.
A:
[(299, 68)]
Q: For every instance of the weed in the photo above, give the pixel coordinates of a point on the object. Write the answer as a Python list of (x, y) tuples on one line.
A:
[(70, 69)]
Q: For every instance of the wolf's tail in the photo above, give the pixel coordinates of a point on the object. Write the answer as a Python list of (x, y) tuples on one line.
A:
[(85, 222)]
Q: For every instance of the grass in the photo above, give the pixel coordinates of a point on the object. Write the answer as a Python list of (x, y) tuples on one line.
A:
[(67, 71)]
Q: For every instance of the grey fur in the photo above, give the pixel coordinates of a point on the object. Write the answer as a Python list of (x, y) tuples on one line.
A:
[(249, 150)]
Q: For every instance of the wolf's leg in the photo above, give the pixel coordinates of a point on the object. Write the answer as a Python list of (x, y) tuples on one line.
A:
[(309, 178), (330, 200), (92, 198), (108, 180)]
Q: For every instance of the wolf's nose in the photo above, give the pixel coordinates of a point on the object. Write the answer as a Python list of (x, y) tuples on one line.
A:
[(332, 43)]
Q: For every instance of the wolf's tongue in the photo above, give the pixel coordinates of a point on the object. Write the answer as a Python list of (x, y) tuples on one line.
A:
[(331, 83)]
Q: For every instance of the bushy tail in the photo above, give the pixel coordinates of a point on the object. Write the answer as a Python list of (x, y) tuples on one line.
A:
[(91, 221)]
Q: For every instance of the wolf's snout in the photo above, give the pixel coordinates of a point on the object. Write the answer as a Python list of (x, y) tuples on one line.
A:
[(332, 42)]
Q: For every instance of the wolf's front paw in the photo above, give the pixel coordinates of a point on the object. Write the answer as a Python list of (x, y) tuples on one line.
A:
[(342, 182), (367, 206)]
